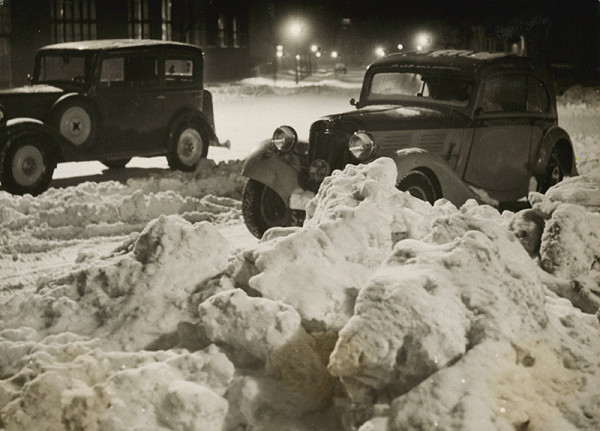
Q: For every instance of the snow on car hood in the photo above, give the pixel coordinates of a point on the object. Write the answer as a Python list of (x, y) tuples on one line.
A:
[(394, 117), (32, 89)]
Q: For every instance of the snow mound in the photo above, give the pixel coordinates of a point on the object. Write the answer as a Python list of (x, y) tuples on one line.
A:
[(484, 282), (132, 297), (30, 224), (351, 226), (579, 101), (68, 383)]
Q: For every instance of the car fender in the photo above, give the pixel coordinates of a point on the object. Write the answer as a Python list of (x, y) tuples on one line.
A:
[(191, 114), (558, 138), (64, 97), (447, 183), (62, 148), (278, 172)]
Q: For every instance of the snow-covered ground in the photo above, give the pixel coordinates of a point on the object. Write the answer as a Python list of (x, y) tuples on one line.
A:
[(136, 299)]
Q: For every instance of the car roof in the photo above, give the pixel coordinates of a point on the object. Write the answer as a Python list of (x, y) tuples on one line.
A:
[(469, 62), (115, 44)]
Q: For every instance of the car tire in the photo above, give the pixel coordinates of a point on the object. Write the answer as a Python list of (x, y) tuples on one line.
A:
[(263, 208), (76, 120), (116, 163), (554, 173), (419, 186), (26, 165), (188, 144)]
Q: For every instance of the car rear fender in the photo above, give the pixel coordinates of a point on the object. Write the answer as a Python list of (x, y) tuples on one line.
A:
[(446, 182), (62, 148), (277, 172), (187, 115), (556, 138)]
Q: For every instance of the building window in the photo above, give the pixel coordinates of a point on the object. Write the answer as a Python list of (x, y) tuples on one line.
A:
[(73, 20), (224, 31), (139, 19), (5, 43), (166, 31)]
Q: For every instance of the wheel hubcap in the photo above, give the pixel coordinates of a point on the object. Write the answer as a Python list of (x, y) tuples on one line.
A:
[(28, 165), (190, 146), (555, 176), (76, 125)]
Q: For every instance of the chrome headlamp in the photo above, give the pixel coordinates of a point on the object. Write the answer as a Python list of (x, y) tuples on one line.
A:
[(284, 138), (361, 145)]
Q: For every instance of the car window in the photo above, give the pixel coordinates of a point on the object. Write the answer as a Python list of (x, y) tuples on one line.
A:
[(179, 71), (506, 92), (61, 68), (537, 96), (444, 87), (130, 70)]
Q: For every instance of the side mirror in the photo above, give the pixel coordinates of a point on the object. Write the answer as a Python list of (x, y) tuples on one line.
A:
[(29, 78), (353, 102)]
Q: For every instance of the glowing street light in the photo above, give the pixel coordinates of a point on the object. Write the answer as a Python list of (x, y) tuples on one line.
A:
[(334, 54), (400, 47), (423, 41), (318, 54), (379, 51), (314, 48), (296, 29)]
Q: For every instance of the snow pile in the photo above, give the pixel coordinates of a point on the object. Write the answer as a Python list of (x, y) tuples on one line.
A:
[(65, 382), (579, 101), (30, 224), (132, 297), (350, 228)]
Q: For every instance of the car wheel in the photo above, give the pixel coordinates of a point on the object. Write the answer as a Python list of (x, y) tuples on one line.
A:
[(554, 173), (76, 121), (26, 166), (418, 185), (116, 163), (188, 145), (263, 208)]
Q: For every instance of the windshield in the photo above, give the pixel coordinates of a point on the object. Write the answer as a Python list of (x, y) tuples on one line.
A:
[(399, 87), (61, 68)]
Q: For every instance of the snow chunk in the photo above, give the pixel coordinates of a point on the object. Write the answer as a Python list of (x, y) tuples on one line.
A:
[(351, 226), (483, 281), (130, 298)]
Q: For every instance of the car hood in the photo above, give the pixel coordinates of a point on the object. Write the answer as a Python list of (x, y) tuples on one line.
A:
[(32, 89), (395, 117), (34, 101)]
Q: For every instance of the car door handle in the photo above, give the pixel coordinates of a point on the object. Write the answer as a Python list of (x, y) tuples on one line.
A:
[(160, 97)]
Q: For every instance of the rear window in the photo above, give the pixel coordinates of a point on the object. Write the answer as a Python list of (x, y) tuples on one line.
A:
[(179, 71)]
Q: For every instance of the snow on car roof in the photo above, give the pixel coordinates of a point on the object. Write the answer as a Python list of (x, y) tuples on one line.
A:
[(104, 44), (467, 61)]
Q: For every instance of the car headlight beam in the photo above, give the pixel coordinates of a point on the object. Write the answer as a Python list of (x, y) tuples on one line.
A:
[(284, 138), (361, 145)]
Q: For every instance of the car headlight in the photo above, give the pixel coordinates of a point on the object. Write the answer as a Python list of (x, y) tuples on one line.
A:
[(361, 145), (284, 138)]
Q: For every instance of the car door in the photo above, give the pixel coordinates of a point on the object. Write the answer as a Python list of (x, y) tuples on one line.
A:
[(183, 82), (505, 130), (130, 100)]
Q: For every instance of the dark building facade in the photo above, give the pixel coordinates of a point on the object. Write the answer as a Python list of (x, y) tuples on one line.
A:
[(232, 33)]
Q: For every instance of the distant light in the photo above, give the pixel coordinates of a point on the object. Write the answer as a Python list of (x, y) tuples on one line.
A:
[(314, 48), (297, 56), (400, 47), (318, 54), (279, 53), (423, 40), (296, 29), (379, 51), (419, 47), (279, 48), (334, 54)]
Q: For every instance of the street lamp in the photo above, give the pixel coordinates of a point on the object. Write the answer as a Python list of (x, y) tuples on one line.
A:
[(379, 51), (334, 54), (423, 40)]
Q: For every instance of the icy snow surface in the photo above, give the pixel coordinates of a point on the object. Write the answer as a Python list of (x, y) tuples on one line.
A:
[(125, 305)]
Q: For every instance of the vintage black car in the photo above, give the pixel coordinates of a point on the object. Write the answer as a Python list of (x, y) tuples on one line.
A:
[(106, 100), (458, 124)]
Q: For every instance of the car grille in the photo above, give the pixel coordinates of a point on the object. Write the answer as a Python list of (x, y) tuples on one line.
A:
[(330, 146)]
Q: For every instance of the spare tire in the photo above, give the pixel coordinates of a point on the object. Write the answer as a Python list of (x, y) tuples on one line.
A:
[(76, 120)]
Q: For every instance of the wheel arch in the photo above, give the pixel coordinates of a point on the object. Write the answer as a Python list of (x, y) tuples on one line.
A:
[(446, 182), (556, 139), (187, 115), (264, 165)]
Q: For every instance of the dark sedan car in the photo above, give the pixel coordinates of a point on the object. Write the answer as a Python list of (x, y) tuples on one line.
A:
[(458, 124), (106, 100)]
